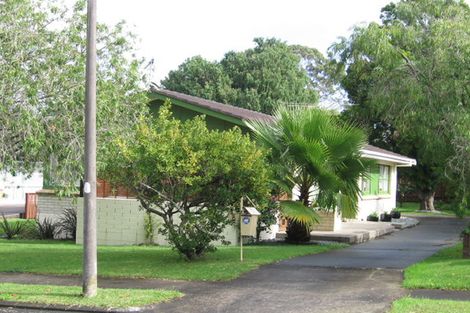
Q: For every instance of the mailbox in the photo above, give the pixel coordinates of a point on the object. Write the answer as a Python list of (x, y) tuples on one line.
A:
[(249, 221)]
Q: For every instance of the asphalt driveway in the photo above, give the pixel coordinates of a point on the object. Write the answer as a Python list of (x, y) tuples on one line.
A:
[(362, 278), (11, 209)]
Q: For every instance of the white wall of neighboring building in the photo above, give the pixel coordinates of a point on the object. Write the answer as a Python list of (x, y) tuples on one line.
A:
[(13, 188), (379, 203)]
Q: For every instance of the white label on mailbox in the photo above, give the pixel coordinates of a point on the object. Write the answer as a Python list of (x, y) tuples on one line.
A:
[(246, 220)]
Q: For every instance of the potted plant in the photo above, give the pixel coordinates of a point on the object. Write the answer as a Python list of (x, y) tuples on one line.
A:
[(466, 242), (395, 214), (385, 217), (373, 217)]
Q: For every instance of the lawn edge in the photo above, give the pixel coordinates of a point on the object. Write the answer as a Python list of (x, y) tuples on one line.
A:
[(76, 308)]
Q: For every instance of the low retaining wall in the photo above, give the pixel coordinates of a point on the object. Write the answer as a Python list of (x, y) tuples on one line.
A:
[(329, 221)]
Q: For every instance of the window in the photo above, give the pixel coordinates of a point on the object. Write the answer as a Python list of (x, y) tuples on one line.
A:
[(384, 179), (365, 185), (377, 182)]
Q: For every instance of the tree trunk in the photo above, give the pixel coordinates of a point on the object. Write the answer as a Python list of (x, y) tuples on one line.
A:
[(298, 232), (427, 200)]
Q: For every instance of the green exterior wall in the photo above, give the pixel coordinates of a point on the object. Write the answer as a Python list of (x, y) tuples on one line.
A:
[(183, 111)]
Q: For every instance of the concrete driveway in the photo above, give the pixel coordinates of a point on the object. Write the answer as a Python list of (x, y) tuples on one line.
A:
[(361, 278)]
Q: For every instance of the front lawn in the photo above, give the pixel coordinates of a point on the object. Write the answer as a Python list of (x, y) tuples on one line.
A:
[(442, 209), (413, 305), (71, 295), (444, 270), (65, 258)]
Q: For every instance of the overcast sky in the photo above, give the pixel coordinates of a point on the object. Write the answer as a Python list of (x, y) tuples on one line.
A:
[(171, 31)]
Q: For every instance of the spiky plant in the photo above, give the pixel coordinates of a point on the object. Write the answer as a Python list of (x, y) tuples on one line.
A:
[(313, 151)]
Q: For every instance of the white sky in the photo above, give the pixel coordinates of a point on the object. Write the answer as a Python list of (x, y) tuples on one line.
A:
[(171, 31)]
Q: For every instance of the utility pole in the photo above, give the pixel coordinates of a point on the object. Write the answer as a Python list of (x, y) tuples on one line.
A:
[(90, 268)]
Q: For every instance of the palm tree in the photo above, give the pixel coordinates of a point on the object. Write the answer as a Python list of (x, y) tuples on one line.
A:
[(313, 151)]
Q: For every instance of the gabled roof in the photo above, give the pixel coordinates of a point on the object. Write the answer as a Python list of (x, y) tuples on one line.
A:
[(377, 153), (233, 111), (242, 114)]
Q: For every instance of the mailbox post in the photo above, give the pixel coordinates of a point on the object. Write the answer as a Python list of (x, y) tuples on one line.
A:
[(248, 223)]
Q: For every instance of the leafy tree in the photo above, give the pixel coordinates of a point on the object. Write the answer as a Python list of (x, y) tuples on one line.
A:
[(316, 153), (408, 79), (191, 177), (201, 78), (258, 79), (42, 61)]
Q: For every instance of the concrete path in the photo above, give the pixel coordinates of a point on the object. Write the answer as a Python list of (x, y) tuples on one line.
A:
[(361, 278)]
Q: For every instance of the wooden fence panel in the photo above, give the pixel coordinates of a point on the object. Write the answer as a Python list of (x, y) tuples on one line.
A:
[(31, 206)]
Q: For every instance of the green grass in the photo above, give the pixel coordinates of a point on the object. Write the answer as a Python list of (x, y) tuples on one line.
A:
[(444, 270), (413, 305), (445, 209), (65, 258), (71, 295)]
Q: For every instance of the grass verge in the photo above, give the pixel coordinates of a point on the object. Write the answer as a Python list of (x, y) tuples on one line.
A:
[(444, 270), (413, 305), (65, 258), (71, 295)]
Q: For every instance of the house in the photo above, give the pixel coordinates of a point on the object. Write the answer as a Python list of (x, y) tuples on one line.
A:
[(121, 222), (378, 191)]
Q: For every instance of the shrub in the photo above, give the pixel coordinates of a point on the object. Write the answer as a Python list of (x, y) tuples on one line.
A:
[(46, 228), (11, 229), (67, 224), (190, 176)]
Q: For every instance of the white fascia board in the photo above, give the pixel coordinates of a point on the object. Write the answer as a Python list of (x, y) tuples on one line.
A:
[(400, 162)]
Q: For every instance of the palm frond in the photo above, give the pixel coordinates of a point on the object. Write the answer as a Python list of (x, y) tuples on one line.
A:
[(298, 212)]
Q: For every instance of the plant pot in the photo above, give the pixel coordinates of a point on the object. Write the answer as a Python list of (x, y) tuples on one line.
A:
[(373, 218), (385, 217), (466, 246), (395, 214)]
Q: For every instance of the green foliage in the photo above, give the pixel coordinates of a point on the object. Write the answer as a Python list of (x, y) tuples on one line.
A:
[(10, 229), (312, 150), (46, 228), (190, 176), (419, 305), (71, 296), (444, 270), (268, 214), (258, 79), (67, 223), (42, 61), (149, 227), (408, 81)]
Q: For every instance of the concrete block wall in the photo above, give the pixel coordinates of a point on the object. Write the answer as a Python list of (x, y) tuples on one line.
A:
[(52, 206), (119, 221)]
